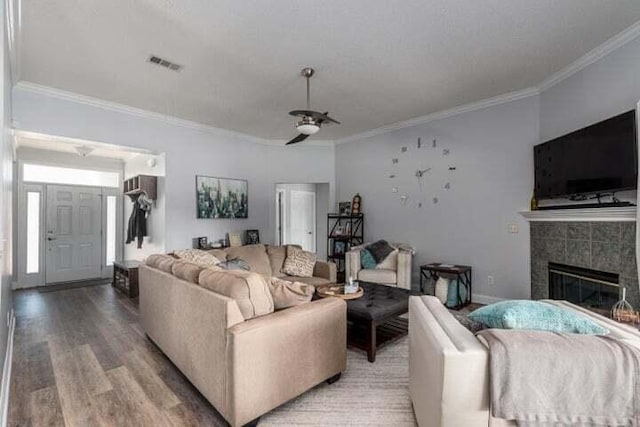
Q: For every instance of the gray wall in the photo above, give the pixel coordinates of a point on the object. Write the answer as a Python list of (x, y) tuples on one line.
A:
[(189, 150), (603, 89), (492, 151)]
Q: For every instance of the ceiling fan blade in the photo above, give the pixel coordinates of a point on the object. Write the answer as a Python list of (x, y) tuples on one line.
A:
[(302, 113), (297, 139), (323, 117)]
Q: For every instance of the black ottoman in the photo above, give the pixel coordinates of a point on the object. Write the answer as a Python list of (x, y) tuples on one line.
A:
[(373, 318)]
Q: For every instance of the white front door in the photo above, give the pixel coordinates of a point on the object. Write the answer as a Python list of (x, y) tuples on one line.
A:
[(302, 220), (73, 233)]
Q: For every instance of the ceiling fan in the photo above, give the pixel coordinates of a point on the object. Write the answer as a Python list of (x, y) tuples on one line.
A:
[(310, 121)]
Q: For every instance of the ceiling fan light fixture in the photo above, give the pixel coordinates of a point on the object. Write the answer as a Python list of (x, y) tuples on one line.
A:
[(307, 126)]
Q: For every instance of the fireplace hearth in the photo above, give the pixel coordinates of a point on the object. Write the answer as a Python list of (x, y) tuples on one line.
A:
[(593, 289)]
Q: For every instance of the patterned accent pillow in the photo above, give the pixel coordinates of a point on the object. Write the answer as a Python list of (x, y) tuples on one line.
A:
[(380, 250), (299, 263), (366, 260), (197, 256)]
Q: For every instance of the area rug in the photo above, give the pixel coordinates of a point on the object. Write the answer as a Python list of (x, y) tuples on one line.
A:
[(371, 394)]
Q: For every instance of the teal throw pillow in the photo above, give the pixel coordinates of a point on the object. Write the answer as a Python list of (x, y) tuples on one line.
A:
[(452, 293), (537, 316), (366, 260)]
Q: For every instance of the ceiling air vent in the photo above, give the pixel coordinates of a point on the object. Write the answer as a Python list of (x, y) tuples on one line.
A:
[(164, 63)]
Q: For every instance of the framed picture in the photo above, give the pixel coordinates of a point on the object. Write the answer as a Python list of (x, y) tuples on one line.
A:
[(203, 243), (253, 237), (339, 247), (221, 197), (344, 208), (235, 239)]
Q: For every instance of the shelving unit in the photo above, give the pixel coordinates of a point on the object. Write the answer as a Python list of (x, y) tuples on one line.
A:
[(352, 235), (147, 184)]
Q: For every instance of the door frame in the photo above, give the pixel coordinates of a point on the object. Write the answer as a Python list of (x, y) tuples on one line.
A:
[(313, 211), (25, 280)]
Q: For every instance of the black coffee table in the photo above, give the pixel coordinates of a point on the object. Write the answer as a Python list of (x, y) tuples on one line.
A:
[(373, 319)]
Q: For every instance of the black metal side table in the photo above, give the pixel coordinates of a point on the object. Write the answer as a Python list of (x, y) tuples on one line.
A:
[(461, 273)]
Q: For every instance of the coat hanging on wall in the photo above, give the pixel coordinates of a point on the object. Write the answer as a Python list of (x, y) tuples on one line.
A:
[(137, 228)]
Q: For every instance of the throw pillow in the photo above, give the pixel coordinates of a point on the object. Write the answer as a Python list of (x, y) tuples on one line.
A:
[(380, 250), (197, 256), (299, 263), (235, 264), (537, 316), (441, 289), (471, 325), (452, 294), (366, 260), (288, 294)]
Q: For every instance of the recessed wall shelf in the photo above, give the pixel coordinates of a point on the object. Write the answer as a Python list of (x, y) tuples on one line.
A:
[(622, 214)]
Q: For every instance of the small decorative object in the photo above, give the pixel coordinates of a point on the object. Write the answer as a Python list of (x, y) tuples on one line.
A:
[(203, 243), (623, 312), (356, 205), (442, 289), (344, 208), (339, 230), (534, 202), (339, 247), (403, 200), (221, 197), (235, 239), (253, 237), (347, 229)]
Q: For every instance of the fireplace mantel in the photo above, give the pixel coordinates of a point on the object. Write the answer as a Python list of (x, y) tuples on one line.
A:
[(623, 214)]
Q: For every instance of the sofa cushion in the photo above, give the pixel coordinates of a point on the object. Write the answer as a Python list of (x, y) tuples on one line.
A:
[(186, 271), (299, 263), (218, 253), (161, 262), (288, 294), (378, 275), (249, 290), (313, 281), (277, 255), (535, 315), (197, 256), (254, 255)]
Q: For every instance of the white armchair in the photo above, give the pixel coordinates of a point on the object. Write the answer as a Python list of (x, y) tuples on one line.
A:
[(393, 271)]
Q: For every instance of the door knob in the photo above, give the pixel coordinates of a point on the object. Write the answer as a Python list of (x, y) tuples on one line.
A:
[(51, 238)]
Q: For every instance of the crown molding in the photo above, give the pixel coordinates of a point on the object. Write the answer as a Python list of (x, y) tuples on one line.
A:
[(473, 106), (139, 112), (614, 43)]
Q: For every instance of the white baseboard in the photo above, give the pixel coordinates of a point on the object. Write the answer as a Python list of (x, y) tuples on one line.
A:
[(6, 371), (486, 299)]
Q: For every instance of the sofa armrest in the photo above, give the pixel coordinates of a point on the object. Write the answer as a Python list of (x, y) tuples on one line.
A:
[(403, 272), (326, 270), (274, 358), (352, 264)]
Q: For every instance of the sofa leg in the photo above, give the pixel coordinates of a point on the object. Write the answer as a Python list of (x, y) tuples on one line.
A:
[(253, 423), (334, 378)]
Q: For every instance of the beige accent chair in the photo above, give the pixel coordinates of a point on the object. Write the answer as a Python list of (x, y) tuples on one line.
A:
[(242, 356), (393, 271), (449, 366)]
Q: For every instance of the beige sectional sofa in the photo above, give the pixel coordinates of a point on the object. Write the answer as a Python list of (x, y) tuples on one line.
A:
[(220, 329), (449, 366)]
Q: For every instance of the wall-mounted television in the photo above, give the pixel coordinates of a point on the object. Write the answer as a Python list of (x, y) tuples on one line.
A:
[(601, 158)]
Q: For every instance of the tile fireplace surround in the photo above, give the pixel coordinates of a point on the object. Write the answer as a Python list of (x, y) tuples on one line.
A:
[(603, 246)]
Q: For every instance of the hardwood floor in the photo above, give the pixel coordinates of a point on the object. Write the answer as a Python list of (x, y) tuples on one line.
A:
[(81, 359)]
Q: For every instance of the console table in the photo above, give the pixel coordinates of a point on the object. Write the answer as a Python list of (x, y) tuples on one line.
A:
[(125, 277), (461, 273)]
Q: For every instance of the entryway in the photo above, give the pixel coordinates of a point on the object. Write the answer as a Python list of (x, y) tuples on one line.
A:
[(300, 209)]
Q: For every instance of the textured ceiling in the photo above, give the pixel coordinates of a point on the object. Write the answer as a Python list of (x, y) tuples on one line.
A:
[(378, 62)]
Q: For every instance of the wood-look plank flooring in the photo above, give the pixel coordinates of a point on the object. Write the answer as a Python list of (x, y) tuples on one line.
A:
[(81, 359)]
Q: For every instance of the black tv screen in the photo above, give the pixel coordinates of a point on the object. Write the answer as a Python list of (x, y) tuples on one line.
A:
[(600, 158)]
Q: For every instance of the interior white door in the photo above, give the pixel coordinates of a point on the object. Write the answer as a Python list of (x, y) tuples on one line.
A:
[(302, 220), (73, 233)]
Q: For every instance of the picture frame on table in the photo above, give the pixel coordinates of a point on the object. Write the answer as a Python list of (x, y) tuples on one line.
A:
[(235, 239), (253, 237), (344, 208), (339, 247)]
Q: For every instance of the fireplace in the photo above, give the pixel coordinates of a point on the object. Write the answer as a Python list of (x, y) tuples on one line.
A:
[(593, 289)]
